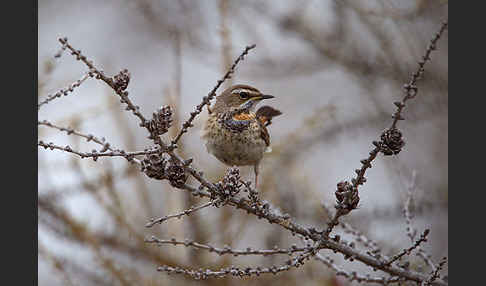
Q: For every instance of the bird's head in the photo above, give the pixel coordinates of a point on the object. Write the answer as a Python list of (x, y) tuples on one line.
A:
[(239, 97)]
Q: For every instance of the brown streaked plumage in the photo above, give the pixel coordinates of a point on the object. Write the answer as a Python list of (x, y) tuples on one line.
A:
[(264, 116), (234, 133)]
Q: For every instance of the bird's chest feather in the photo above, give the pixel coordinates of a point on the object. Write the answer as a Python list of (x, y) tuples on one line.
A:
[(234, 142)]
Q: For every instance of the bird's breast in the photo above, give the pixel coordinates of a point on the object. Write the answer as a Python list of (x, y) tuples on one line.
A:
[(234, 146)]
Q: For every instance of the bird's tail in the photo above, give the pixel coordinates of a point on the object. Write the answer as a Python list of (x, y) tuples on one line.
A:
[(266, 113)]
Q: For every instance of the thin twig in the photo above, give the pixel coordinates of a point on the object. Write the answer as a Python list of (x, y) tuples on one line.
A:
[(435, 274), (407, 251), (410, 88), (64, 91), (411, 231), (353, 276), (227, 249), (100, 75), (179, 215), (89, 137), (95, 154), (360, 237), (236, 271)]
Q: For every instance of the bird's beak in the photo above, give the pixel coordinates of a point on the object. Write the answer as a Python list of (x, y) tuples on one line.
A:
[(266, 96)]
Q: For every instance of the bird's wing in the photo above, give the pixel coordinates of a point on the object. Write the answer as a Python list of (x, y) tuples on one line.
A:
[(264, 115), (264, 133)]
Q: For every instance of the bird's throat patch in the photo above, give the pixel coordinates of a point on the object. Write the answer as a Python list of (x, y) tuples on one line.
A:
[(236, 122), (244, 116)]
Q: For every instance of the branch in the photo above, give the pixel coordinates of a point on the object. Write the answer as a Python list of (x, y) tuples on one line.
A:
[(267, 213)]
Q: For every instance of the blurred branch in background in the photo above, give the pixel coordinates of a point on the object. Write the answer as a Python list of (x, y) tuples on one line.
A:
[(100, 226)]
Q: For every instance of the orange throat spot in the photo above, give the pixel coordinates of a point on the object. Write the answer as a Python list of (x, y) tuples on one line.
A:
[(243, 116)]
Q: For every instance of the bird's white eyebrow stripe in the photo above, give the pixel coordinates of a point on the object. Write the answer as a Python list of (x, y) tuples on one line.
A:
[(238, 90)]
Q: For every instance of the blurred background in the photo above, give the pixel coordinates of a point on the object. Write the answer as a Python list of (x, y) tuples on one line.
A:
[(335, 67)]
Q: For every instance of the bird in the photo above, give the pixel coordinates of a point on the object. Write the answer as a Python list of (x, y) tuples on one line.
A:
[(234, 133)]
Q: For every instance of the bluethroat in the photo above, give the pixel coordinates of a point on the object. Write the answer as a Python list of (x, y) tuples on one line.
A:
[(234, 133)]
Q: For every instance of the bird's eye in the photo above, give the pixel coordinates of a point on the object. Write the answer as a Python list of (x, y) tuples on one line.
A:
[(244, 95)]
